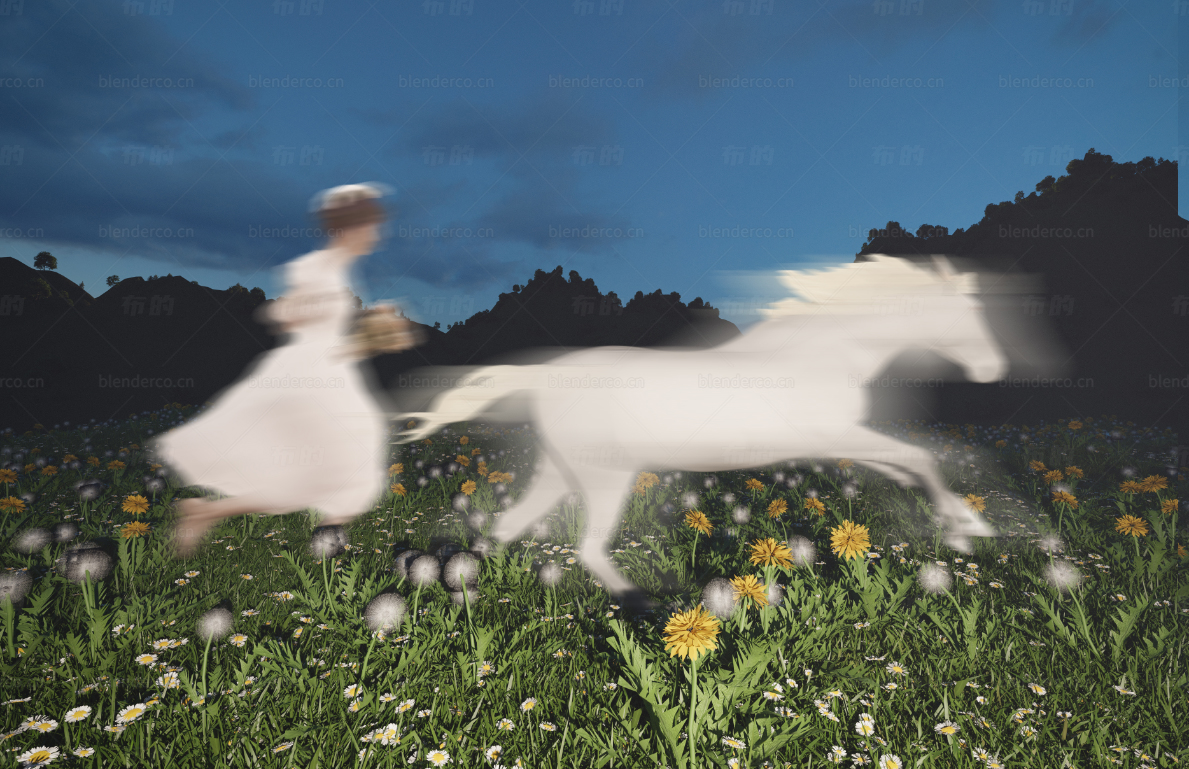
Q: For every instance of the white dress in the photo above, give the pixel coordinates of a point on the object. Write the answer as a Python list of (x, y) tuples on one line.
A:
[(304, 427)]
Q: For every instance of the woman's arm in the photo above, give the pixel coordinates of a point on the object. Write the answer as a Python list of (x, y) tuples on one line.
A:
[(291, 311)]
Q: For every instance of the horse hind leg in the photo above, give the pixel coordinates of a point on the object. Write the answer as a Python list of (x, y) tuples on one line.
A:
[(604, 492), (547, 487), (891, 471)]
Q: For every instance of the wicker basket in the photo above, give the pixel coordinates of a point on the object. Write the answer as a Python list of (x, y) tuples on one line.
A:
[(379, 330)]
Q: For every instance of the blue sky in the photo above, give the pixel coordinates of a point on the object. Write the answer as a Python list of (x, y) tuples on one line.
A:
[(698, 141)]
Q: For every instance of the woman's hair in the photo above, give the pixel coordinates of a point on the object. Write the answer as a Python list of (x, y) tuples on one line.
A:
[(349, 206)]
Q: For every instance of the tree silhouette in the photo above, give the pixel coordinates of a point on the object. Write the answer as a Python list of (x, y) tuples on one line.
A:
[(932, 231), (45, 261), (112, 280), (891, 230)]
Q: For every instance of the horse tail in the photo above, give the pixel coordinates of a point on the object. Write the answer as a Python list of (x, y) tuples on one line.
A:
[(484, 388)]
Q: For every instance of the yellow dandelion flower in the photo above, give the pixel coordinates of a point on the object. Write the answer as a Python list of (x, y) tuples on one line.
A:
[(777, 507), (815, 504), (136, 504), (1129, 524), (644, 482), (975, 503), (769, 552), (1169, 505), (134, 529), (1065, 497), (699, 521), (750, 587), (469, 487), (850, 540), (1154, 483), (691, 633)]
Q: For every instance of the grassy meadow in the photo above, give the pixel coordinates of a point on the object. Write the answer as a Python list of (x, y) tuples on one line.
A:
[(812, 615)]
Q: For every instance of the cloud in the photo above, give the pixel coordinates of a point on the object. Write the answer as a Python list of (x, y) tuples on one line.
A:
[(541, 125), (738, 37), (92, 61), (543, 148)]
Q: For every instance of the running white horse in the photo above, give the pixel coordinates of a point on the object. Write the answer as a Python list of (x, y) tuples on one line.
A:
[(788, 388)]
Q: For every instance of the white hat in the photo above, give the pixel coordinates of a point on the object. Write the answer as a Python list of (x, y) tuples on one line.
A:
[(346, 194)]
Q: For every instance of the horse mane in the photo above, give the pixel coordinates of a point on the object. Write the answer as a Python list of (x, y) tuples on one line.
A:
[(862, 287)]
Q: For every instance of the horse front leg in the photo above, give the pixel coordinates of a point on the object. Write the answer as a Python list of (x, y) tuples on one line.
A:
[(547, 487), (959, 521)]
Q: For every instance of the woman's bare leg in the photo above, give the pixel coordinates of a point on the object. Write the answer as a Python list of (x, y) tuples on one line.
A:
[(200, 515)]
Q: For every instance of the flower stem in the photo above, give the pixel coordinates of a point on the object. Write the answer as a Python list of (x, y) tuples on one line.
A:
[(326, 581), (693, 688), (366, 657), (205, 654), (470, 623)]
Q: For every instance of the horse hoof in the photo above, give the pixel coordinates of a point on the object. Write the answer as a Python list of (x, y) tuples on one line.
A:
[(959, 543), (636, 603)]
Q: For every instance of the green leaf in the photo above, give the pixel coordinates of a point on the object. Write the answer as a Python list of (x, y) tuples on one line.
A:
[(39, 602), (1126, 624)]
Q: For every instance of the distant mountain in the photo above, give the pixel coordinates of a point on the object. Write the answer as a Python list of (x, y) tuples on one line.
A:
[(552, 312), (1113, 252), (145, 343)]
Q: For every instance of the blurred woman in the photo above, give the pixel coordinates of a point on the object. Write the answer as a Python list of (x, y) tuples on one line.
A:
[(306, 427)]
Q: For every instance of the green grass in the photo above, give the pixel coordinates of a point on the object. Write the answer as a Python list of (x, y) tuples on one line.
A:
[(1034, 675)]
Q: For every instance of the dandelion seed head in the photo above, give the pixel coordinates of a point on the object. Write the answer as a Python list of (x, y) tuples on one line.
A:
[(424, 570), (803, 551), (76, 562), (483, 547), (775, 593), (64, 532), (462, 567), (15, 585), (1062, 575), (719, 597), (215, 624), (935, 579), (385, 612), (32, 540), (402, 561), (1051, 542), (328, 542), (550, 574)]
